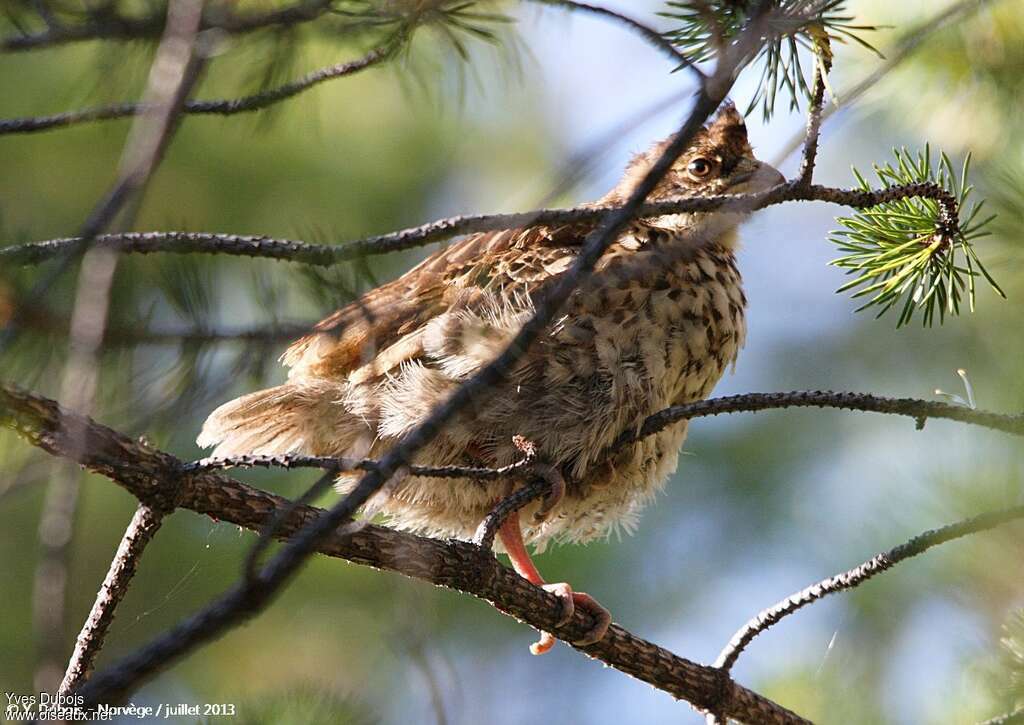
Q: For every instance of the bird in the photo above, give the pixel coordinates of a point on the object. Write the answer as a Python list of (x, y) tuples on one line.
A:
[(657, 323)]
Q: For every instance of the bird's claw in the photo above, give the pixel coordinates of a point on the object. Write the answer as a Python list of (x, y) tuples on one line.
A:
[(565, 594), (570, 600), (602, 619)]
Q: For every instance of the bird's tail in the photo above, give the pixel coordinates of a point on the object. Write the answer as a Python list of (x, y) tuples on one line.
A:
[(303, 418)]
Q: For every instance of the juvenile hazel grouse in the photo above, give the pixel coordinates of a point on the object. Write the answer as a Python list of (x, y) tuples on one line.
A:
[(655, 325)]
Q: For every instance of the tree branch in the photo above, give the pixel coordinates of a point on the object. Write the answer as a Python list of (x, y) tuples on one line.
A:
[(105, 25), (157, 479), (860, 574), (821, 66), (179, 242), (143, 526), (349, 464), (221, 107), (919, 410)]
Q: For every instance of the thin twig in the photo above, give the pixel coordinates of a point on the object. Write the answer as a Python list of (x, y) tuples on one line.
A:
[(919, 410), (108, 26), (221, 107), (858, 575), (806, 172), (143, 526), (273, 334), (350, 464), (178, 242), (269, 97), (154, 477), (488, 528)]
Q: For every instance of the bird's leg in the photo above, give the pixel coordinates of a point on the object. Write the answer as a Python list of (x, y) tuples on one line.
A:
[(548, 483), (503, 520), (512, 538)]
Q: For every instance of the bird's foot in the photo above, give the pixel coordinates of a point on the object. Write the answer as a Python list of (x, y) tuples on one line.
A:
[(554, 478), (570, 600)]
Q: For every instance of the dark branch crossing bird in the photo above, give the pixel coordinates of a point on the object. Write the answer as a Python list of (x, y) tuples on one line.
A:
[(656, 324)]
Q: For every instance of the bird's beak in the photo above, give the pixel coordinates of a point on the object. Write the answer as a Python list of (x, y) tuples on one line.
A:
[(751, 176)]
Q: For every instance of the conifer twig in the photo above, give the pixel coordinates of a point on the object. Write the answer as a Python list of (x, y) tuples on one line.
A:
[(143, 526), (105, 24), (220, 107), (181, 242), (858, 575), (814, 116), (351, 464), (263, 99), (919, 410)]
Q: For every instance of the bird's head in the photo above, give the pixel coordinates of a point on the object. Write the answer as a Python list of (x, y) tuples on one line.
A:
[(720, 160)]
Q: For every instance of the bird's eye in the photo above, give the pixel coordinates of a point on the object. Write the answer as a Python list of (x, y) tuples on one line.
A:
[(699, 168)]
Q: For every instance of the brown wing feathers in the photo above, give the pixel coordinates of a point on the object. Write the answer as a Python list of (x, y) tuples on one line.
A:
[(365, 340)]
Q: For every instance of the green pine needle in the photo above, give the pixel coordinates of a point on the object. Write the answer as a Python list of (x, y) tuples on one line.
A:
[(454, 20), (788, 54), (898, 255)]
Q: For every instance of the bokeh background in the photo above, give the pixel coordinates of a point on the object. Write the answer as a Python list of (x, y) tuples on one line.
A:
[(761, 505)]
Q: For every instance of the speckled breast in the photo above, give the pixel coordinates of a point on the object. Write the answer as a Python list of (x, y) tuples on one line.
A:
[(656, 326)]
